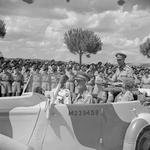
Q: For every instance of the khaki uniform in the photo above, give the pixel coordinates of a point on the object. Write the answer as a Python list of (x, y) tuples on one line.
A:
[(6, 79), (36, 80), (54, 80), (26, 77), (145, 82), (18, 80), (121, 75), (99, 87), (85, 98), (70, 84), (46, 81)]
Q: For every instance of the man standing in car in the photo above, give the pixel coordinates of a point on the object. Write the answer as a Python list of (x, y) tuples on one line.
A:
[(122, 73)]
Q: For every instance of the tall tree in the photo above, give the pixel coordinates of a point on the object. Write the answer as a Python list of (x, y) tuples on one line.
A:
[(145, 48), (2, 29), (81, 42)]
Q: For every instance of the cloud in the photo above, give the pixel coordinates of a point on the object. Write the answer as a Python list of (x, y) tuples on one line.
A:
[(142, 4), (37, 30)]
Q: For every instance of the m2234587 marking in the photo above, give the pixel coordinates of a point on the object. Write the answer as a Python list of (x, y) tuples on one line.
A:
[(84, 112)]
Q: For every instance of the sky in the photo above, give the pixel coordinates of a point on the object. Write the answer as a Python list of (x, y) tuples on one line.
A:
[(37, 30)]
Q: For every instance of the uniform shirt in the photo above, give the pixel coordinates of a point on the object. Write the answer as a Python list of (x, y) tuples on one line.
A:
[(36, 77), (85, 98), (6, 76), (54, 78), (46, 77), (145, 81), (26, 77), (18, 77), (121, 75), (99, 79)]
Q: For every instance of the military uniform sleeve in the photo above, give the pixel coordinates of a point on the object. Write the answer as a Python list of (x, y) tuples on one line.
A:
[(114, 77)]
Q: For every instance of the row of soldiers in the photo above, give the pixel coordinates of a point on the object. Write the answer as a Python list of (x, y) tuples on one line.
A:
[(20, 80)]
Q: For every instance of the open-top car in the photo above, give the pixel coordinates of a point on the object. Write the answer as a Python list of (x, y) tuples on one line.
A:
[(31, 122)]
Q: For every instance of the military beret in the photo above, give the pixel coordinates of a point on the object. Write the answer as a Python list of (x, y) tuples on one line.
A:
[(82, 76), (120, 55)]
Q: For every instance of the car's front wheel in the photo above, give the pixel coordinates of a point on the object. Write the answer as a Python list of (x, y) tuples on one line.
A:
[(143, 141)]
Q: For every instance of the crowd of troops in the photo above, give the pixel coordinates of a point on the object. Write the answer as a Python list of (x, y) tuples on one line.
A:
[(85, 84)]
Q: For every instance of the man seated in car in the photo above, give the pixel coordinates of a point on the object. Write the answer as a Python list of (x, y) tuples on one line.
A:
[(60, 95), (84, 95), (126, 94)]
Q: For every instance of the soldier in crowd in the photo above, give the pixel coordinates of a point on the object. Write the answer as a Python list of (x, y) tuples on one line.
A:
[(18, 81), (36, 78), (122, 73), (70, 84), (46, 79), (145, 81), (99, 86), (6, 81), (54, 79), (26, 76)]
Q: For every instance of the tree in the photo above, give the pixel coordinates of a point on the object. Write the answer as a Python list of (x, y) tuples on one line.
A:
[(121, 2), (145, 48), (81, 42), (2, 29), (28, 1)]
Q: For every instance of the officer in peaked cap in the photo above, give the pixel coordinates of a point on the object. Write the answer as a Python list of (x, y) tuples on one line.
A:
[(122, 73), (120, 56), (84, 96)]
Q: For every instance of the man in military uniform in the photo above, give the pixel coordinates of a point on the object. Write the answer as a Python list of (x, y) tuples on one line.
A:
[(84, 95), (54, 79), (6, 80), (145, 80), (122, 73), (18, 81), (46, 79), (70, 84), (36, 78)]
